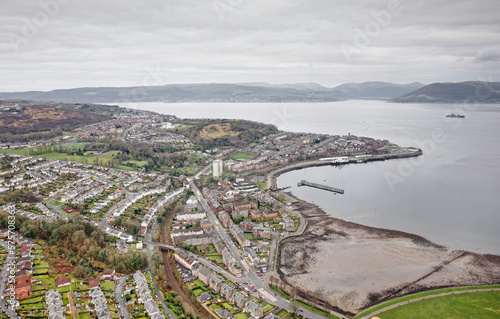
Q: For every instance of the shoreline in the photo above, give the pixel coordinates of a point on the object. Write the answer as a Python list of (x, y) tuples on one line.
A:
[(272, 175), (349, 267)]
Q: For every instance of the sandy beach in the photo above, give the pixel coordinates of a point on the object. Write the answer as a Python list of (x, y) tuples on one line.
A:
[(351, 266)]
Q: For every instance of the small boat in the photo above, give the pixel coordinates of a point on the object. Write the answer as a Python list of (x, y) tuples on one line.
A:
[(455, 116)]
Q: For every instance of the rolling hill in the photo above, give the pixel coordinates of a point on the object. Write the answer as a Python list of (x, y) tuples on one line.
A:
[(183, 93), (471, 91), (377, 90), (221, 92)]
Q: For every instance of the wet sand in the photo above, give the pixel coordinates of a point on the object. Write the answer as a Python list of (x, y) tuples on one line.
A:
[(351, 266)]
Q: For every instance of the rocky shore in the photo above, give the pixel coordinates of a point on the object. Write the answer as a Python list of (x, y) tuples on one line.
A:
[(350, 267)]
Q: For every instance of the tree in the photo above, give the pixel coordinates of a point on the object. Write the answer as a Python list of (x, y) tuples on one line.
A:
[(88, 229), (79, 271), (31, 197), (295, 305), (103, 255)]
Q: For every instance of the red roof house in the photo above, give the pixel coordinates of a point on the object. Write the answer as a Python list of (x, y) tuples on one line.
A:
[(95, 283), (108, 274), (62, 281)]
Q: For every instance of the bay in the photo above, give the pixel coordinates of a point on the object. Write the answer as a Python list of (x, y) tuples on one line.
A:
[(450, 195)]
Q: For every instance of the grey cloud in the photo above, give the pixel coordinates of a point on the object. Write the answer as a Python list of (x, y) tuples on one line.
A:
[(115, 42), (487, 56)]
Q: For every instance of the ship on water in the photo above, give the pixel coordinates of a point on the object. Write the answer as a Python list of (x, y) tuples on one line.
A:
[(456, 116)]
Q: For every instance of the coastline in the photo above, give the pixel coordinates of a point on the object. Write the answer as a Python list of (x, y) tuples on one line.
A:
[(273, 174), (348, 267)]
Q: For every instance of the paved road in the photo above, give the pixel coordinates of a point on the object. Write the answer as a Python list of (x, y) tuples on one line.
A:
[(249, 276), (158, 293), (119, 286), (71, 305), (56, 210), (424, 298), (5, 307)]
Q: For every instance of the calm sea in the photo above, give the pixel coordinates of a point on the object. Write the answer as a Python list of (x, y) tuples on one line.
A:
[(451, 195)]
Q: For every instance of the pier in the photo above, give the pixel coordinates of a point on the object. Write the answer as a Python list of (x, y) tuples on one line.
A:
[(324, 187)]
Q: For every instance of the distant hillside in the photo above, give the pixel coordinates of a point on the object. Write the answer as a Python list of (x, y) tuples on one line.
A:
[(253, 92), (377, 90), (482, 92), (22, 120)]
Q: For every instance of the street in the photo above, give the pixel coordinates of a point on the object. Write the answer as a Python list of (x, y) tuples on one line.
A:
[(4, 281)]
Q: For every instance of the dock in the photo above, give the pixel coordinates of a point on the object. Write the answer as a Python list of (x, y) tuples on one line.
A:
[(324, 187)]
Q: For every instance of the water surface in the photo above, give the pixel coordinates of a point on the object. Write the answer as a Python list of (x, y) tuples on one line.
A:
[(451, 195)]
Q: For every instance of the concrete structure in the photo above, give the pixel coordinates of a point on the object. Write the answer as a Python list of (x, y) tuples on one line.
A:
[(217, 168), (191, 216), (184, 259), (230, 262), (225, 220), (218, 244), (202, 273), (54, 304), (254, 309), (239, 235), (241, 212), (215, 283), (226, 291), (239, 299)]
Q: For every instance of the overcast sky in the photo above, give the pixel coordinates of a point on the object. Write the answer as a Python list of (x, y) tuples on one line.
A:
[(51, 44)]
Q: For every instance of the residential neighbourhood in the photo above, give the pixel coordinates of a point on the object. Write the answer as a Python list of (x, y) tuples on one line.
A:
[(224, 236)]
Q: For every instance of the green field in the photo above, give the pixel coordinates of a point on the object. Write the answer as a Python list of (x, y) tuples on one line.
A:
[(138, 163), (62, 156), (22, 151), (110, 155), (261, 185), (484, 304), (240, 156), (241, 315), (103, 160), (108, 286), (421, 294), (227, 306), (268, 308), (76, 145), (250, 236), (214, 257)]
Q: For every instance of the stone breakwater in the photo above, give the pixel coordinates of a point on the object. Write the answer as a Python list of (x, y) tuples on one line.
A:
[(272, 175)]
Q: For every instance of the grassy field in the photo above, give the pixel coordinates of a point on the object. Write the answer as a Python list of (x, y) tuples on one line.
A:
[(138, 163), (103, 160), (261, 185), (418, 295), (62, 156), (250, 236), (108, 286), (109, 155), (217, 130), (240, 156), (241, 315), (484, 304), (76, 145), (214, 257), (22, 151)]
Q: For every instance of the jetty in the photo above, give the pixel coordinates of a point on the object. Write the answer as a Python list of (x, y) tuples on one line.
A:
[(324, 187)]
